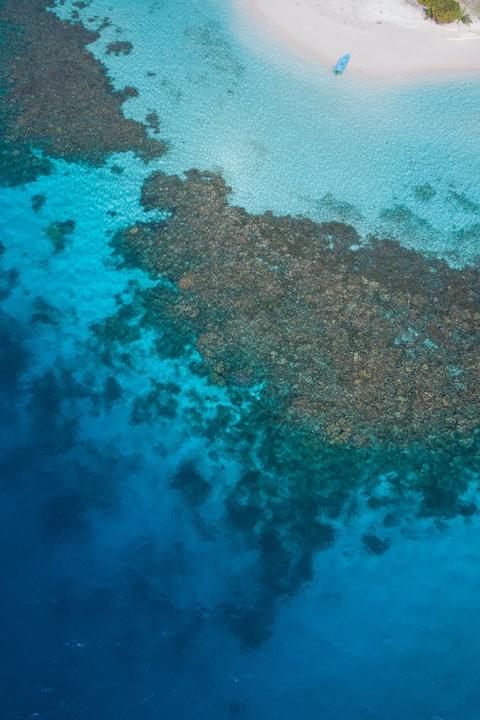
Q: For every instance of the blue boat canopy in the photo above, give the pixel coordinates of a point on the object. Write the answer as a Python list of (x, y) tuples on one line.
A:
[(342, 64)]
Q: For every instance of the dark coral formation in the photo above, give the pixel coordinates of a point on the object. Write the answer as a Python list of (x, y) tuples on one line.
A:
[(361, 344), (56, 97), (188, 481), (119, 47), (58, 233), (153, 122), (38, 201)]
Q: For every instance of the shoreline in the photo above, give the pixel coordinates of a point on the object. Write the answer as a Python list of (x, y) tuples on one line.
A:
[(387, 39)]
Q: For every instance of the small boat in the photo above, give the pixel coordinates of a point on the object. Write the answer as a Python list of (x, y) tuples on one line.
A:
[(341, 65)]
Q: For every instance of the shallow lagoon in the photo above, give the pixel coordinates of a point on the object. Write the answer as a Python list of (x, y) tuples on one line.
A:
[(286, 135), (129, 590)]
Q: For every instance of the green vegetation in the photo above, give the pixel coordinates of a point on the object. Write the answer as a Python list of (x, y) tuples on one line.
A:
[(444, 11)]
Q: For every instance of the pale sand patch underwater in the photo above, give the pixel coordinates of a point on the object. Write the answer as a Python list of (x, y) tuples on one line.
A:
[(386, 38)]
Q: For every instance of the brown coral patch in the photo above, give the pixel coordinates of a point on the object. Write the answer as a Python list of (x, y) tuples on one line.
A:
[(365, 345)]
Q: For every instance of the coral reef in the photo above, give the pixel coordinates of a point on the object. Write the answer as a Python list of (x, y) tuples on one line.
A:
[(361, 344), (56, 97), (58, 233), (119, 47)]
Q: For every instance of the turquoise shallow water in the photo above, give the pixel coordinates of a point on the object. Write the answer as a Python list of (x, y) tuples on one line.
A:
[(118, 586), (290, 137)]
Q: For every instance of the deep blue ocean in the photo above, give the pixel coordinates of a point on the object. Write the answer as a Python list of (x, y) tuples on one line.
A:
[(126, 592)]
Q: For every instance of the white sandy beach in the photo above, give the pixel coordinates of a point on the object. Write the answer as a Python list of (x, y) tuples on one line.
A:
[(386, 38)]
